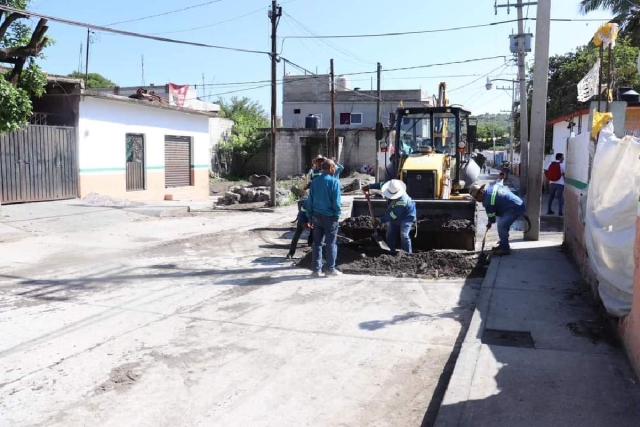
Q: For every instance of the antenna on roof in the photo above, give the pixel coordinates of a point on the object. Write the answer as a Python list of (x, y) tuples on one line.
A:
[(143, 82), (80, 65)]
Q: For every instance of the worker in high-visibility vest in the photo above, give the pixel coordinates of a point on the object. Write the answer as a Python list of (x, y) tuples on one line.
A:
[(500, 202)]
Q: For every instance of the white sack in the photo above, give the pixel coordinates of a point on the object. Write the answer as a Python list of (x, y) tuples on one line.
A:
[(612, 205)]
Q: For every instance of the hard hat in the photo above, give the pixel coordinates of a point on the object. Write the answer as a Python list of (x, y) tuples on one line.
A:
[(475, 189), (394, 189)]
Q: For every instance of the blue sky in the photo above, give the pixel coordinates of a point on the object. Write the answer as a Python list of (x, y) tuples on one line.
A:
[(119, 58)]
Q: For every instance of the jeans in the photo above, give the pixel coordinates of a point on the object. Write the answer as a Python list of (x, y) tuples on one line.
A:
[(325, 227), (296, 237), (403, 228), (505, 222), (556, 190)]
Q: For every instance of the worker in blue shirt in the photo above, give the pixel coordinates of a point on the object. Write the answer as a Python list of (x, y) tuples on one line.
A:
[(499, 201), (301, 219), (401, 212), (323, 212)]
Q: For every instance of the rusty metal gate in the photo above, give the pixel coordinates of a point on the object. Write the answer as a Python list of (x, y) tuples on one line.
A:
[(177, 161), (38, 163), (135, 162)]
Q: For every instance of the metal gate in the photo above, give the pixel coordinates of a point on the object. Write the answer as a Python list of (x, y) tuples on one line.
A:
[(177, 161), (38, 164), (135, 162)]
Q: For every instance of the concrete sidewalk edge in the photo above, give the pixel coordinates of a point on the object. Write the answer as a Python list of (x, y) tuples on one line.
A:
[(450, 412)]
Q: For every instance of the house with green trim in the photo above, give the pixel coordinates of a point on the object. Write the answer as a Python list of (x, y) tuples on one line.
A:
[(142, 150)]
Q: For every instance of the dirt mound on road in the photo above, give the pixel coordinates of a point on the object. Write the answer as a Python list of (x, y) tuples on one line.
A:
[(444, 223), (370, 260)]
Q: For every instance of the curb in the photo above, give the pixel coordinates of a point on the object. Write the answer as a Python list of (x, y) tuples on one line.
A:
[(450, 411)]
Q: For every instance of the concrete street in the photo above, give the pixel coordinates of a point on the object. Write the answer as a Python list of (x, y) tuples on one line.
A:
[(111, 317)]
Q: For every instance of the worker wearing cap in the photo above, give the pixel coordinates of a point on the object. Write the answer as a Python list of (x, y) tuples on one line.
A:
[(499, 201), (401, 212), (316, 170)]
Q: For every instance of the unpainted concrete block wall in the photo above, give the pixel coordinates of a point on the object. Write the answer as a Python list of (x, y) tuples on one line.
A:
[(630, 326)]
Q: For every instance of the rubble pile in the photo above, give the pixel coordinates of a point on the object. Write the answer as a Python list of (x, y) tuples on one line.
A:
[(250, 194)]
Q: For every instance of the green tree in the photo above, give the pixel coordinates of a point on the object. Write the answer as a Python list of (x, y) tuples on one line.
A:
[(20, 45), (247, 137), (626, 14), (96, 81)]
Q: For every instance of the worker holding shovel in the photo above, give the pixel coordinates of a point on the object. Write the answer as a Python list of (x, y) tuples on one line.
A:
[(401, 212)]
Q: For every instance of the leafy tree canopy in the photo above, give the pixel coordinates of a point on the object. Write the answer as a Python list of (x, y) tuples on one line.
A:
[(626, 14), (565, 71), (96, 81), (19, 46), (249, 118)]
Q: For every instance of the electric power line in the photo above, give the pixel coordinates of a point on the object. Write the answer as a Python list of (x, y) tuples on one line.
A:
[(440, 30), (126, 33), (164, 13), (235, 18), (479, 78)]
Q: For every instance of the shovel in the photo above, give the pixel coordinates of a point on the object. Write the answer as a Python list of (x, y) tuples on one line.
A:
[(484, 239), (381, 243)]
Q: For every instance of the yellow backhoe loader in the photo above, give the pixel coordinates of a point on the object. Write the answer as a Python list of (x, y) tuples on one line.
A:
[(430, 153)]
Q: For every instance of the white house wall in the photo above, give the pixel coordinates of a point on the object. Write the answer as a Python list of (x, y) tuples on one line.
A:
[(102, 128)]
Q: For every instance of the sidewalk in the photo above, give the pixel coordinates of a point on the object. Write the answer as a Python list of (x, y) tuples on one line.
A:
[(538, 351)]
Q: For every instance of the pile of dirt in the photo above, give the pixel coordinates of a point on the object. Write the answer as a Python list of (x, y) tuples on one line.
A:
[(359, 223), (370, 260), (360, 227), (444, 223)]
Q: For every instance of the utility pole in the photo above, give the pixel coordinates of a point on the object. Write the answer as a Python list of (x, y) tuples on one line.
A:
[(522, 77), (524, 107), (274, 15), (333, 111), (493, 137), (538, 117), (378, 120), (86, 62)]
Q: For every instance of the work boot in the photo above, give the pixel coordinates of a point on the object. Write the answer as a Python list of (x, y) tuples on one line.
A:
[(561, 214), (317, 273), (501, 252), (290, 255), (334, 272), (551, 213)]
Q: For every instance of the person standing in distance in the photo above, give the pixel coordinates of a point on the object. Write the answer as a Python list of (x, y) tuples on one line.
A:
[(323, 211), (555, 173)]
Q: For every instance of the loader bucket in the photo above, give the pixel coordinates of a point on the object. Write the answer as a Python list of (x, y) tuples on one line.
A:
[(438, 225)]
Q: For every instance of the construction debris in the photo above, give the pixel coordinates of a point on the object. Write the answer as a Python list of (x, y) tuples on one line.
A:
[(370, 260)]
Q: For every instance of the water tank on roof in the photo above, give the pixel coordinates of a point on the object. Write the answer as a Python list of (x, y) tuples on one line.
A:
[(311, 122), (342, 84)]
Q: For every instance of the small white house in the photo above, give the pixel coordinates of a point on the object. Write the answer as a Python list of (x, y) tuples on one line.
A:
[(142, 150)]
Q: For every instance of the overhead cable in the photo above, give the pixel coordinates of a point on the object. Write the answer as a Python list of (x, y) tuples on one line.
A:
[(440, 30), (235, 18), (126, 33), (164, 13)]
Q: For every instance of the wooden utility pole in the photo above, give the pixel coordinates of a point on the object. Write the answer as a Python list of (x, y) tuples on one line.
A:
[(378, 120), (274, 15), (538, 117), (86, 62), (333, 111)]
